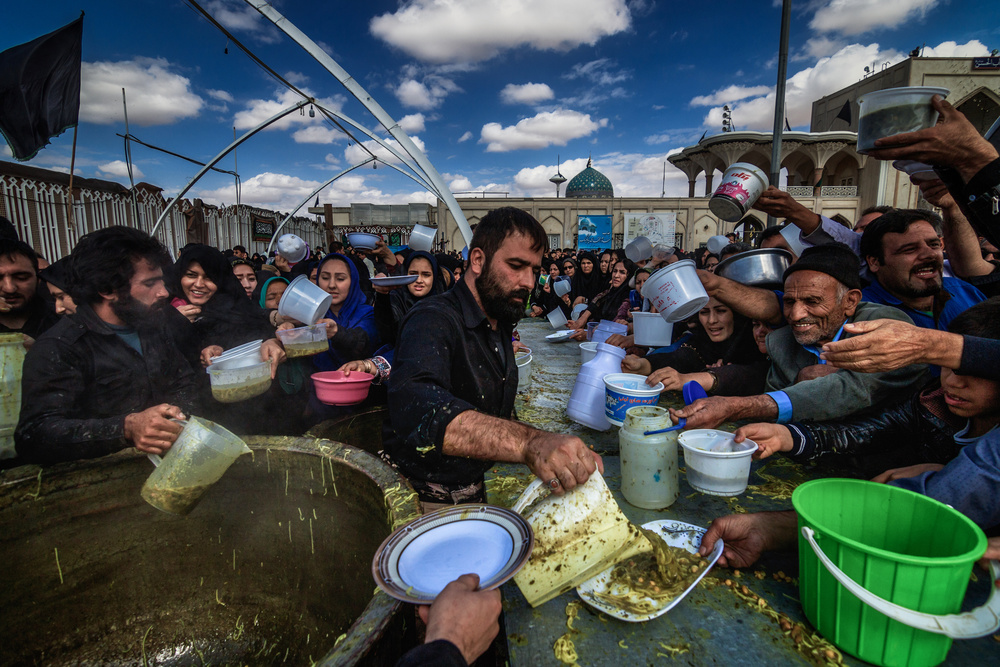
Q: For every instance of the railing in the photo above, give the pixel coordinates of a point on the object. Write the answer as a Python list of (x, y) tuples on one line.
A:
[(839, 191), (799, 190), (39, 211)]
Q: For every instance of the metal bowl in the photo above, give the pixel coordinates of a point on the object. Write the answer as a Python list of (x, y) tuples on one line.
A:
[(758, 268)]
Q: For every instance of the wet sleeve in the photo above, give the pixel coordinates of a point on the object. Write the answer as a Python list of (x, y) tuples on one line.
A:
[(440, 653)]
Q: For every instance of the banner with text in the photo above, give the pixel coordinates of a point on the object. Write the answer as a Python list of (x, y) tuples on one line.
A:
[(593, 232), (659, 228)]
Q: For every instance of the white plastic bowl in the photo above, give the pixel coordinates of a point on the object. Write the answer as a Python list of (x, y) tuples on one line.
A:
[(557, 319), (304, 301), (639, 249), (422, 238), (242, 356), (627, 390), (362, 240), (884, 113), (651, 330), (523, 371), (676, 291), (716, 464), (292, 248)]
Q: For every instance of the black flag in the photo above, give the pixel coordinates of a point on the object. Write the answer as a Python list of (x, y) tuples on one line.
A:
[(40, 89), (787, 126), (845, 112)]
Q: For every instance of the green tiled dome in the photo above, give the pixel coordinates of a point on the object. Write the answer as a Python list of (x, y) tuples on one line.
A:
[(590, 184)]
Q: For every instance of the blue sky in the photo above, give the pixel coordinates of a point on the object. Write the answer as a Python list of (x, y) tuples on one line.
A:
[(493, 90)]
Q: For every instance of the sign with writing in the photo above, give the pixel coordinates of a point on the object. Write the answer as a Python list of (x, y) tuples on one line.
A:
[(986, 62), (593, 232), (263, 229), (659, 228)]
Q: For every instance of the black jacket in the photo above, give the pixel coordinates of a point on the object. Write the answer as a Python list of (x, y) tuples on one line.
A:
[(918, 430), (80, 380)]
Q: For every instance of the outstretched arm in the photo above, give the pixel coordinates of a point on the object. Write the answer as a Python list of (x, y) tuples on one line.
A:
[(752, 302)]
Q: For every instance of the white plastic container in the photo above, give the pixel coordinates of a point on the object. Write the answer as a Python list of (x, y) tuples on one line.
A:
[(562, 286), (232, 385), (884, 113), (557, 318), (304, 341), (639, 249), (716, 244), (11, 360), (304, 301), (586, 402), (676, 291), (422, 238), (588, 351), (292, 248), (648, 462), (627, 390), (740, 187), (362, 240), (241, 356), (917, 171), (651, 330), (716, 464), (607, 328), (523, 370)]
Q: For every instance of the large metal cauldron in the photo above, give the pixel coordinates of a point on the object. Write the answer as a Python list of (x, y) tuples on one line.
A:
[(362, 430), (272, 566)]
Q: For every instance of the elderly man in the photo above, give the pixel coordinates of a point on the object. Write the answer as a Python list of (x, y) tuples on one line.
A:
[(904, 254), (109, 375), (451, 394), (22, 309), (822, 295)]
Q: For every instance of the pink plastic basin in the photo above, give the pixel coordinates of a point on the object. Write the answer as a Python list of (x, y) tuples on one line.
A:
[(333, 388)]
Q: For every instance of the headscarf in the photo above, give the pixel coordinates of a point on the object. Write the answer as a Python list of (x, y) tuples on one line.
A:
[(264, 279), (606, 304), (739, 348), (402, 299), (217, 268), (587, 285), (354, 313), (56, 273)]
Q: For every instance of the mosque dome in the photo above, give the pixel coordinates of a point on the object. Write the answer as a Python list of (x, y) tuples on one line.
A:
[(590, 184)]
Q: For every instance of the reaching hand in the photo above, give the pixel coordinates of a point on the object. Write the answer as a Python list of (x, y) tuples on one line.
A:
[(671, 379), (282, 264), (208, 353), (815, 371), (272, 350), (621, 341), (151, 430), (189, 311), (463, 615), (331, 327), (884, 346), (780, 204), (637, 365), (770, 438), (704, 413), (906, 471), (747, 536), (562, 457), (953, 142)]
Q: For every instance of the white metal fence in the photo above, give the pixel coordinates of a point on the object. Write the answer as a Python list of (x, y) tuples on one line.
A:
[(40, 212)]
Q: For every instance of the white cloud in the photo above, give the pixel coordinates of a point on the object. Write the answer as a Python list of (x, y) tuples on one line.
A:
[(296, 78), (854, 17), (631, 174), (465, 137), (412, 123), (443, 31), (819, 47), (318, 134), (237, 16), (601, 72), (259, 110), (220, 95), (156, 95), (7, 152), (954, 50), (354, 153), (544, 129), (460, 184), (527, 93), (729, 94), (427, 94), (828, 75), (119, 168)]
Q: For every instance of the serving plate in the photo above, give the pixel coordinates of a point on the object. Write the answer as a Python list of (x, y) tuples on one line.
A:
[(560, 336), (676, 534), (394, 281), (417, 561)]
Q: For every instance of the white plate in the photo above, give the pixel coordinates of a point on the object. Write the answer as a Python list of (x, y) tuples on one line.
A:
[(417, 561), (394, 281), (560, 336), (675, 534)]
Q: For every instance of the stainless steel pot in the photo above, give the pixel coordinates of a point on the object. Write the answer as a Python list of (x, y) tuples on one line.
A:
[(758, 268)]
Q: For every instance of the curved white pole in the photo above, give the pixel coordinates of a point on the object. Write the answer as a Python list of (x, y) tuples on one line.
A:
[(224, 153), (441, 188)]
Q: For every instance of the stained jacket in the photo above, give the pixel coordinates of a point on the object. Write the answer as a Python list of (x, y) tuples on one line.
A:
[(844, 392), (80, 380), (448, 360), (918, 430)]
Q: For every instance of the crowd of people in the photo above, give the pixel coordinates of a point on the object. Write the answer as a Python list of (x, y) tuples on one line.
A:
[(875, 350)]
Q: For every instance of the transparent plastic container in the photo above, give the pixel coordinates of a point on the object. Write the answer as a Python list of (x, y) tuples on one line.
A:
[(232, 385), (884, 113), (304, 341)]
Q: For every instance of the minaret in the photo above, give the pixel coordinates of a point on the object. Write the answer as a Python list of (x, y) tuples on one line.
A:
[(558, 179)]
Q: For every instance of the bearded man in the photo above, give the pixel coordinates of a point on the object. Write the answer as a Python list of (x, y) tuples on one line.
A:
[(904, 253), (22, 308), (108, 376), (452, 389)]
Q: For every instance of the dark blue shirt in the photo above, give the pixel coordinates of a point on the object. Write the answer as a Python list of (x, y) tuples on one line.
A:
[(956, 297)]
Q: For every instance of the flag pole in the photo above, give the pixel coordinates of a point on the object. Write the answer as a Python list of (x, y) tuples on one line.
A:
[(72, 168)]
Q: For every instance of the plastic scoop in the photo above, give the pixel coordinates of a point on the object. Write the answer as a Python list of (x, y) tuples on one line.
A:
[(691, 392)]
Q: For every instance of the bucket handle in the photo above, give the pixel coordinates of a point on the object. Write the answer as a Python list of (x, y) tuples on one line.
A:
[(979, 622), (530, 494)]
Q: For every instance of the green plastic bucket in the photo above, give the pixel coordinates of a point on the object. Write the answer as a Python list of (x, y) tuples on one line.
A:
[(903, 547)]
